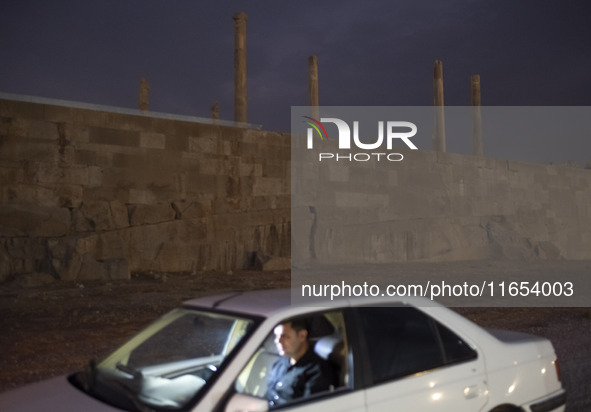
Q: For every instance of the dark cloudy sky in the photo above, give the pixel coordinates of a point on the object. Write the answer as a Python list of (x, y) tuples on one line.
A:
[(370, 52)]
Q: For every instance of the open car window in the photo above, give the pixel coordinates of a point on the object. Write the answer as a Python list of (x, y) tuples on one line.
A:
[(327, 338)]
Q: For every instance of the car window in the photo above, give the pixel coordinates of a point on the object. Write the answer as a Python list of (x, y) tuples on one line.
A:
[(327, 339), (190, 341), (455, 349), (403, 341)]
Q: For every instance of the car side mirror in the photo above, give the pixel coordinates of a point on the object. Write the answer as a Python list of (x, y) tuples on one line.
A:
[(244, 403)]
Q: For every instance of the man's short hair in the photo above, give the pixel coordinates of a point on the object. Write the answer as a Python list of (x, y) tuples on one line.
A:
[(298, 324)]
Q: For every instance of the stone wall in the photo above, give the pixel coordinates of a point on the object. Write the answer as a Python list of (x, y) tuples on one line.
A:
[(99, 194), (435, 206), (96, 194)]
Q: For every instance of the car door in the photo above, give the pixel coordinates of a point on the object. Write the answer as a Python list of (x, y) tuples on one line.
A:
[(329, 337), (416, 363)]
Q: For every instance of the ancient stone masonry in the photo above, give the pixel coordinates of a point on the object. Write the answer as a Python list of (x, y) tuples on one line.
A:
[(91, 194), (99, 194), (438, 206)]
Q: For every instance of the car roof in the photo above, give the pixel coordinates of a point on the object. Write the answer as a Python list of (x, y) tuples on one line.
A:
[(270, 302)]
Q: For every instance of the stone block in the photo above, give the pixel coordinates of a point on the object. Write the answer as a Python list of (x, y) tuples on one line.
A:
[(31, 194), (85, 157), (197, 183), (116, 269), (104, 159), (267, 263), (29, 151), (32, 220), (94, 176), (85, 244), (68, 196), (93, 216), (211, 166), (204, 145), (110, 245), (56, 114), (67, 270), (31, 128), (152, 140), (5, 266), (49, 173), (141, 196), (142, 214), (77, 133), (265, 186), (119, 215), (94, 257), (194, 210), (176, 142), (250, 169), (102, 135), (12, 108)]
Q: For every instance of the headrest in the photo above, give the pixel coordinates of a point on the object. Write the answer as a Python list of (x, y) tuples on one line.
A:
[(327, 346)]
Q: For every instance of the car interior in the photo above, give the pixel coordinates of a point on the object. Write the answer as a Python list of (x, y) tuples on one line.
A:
[(327, 336)]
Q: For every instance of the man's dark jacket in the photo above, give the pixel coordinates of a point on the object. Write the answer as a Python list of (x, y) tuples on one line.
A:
[(310, 374)]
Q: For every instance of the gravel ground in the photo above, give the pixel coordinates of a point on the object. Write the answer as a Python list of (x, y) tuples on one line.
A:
[(55, 328)]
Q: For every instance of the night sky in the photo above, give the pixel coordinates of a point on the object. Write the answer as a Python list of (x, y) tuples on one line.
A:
[(370, 53)]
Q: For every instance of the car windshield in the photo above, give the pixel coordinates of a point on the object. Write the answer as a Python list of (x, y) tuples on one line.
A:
[(168, 364)]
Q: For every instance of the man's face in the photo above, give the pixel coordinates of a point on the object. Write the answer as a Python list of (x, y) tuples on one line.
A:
[(289, 342)]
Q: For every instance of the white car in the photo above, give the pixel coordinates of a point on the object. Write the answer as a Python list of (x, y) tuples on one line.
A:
[(215, 353)]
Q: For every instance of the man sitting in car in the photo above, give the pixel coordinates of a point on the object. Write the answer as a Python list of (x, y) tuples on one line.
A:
[(299, 372)]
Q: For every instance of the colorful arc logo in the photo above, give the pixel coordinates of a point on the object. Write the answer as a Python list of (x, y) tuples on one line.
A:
[(316, 127)]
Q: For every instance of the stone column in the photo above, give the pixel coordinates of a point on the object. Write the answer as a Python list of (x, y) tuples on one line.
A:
[(240, 103), (313, 86), (144, 97), (476, 116), (215, 111), (439, 135)]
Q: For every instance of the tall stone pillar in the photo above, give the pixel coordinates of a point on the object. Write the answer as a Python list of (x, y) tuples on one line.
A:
[(313, 101), (477, 149), (240, 103), (215, 111), (439, 135), (144, 96)]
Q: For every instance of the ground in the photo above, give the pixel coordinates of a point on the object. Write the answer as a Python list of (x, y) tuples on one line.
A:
[(55, 328)]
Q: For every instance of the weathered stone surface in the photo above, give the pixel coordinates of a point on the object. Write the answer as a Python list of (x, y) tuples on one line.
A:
[(110, 245), (192, 210), (116, 269), (104, 135), (266, 263), (88, 194), (119, 215), (89, 257), (34, 280), (93, 216), (31, 220), (5, 268), (150, 214)]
